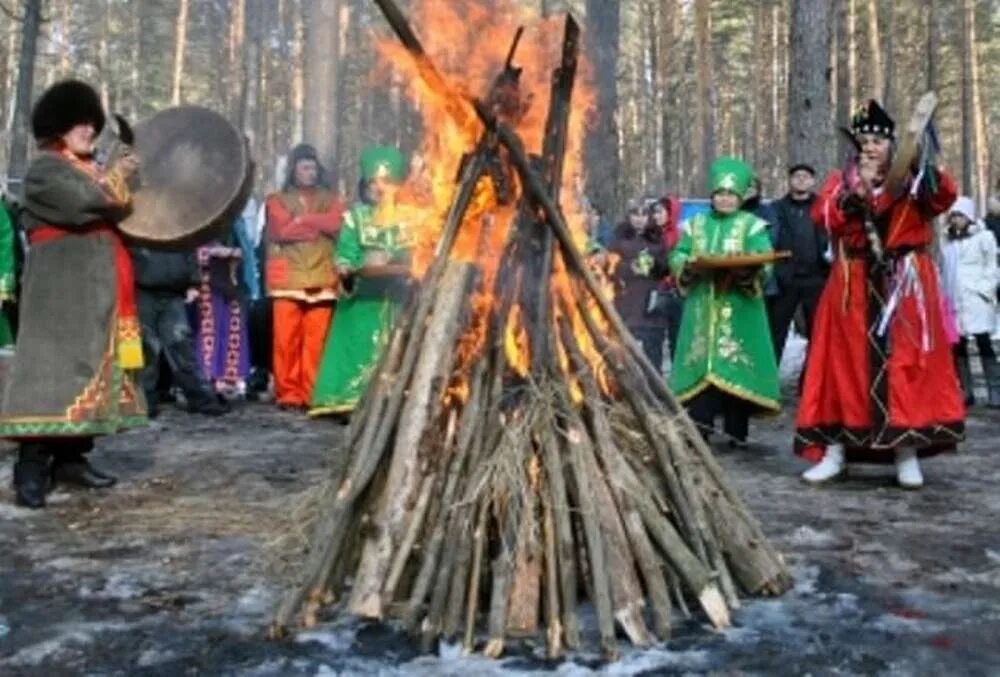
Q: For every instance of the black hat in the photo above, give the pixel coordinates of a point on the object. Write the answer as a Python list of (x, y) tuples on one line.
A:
[(871, 118), (305, 151), (803, 166), (63, 106)]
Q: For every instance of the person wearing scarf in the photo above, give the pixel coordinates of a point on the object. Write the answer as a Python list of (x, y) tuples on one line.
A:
[(880, 383), (79, 341)]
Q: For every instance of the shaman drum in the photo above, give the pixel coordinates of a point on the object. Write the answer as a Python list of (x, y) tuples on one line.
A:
[(194, 177)]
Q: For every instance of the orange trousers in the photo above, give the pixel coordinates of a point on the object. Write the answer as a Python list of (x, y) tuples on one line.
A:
[(300, 330)]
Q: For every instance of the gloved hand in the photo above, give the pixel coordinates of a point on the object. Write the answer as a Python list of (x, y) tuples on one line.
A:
[(689, 277), (746, 279)]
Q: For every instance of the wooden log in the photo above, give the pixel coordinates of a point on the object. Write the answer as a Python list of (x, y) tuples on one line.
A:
[(553, 465), (651, 566), (366, 596), (553, 624), (472, 596), (525, 594), (579, 449), (442, 517), (626, 592)]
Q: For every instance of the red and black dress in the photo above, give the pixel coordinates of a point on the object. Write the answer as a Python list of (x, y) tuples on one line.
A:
[(880, 374)]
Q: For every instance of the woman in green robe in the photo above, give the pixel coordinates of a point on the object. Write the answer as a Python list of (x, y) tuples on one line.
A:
[(372, 236), (724, 363), (7, 280)]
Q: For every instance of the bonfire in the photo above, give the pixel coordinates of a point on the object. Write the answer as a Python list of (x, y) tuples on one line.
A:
[(516, 456)]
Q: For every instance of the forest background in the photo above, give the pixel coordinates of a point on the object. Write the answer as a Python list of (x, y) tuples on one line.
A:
[(678, 81)]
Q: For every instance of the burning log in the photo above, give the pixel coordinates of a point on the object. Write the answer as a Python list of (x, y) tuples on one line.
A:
[(516, 450)]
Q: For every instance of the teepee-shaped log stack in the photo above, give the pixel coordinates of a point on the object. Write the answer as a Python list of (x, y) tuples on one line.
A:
[(490, 492)]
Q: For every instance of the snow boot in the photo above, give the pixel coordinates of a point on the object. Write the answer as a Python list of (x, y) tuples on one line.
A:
[(908, 469), (829, 468)]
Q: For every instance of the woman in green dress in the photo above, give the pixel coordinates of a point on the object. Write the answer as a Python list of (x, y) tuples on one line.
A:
[(724, 362), (7, 280), (373, 236)]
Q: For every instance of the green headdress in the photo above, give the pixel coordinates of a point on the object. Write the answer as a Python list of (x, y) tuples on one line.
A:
[(729, 174), (379, 160)]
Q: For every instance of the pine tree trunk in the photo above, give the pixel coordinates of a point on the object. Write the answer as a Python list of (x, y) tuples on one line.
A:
[(180, 49), (845, 62), (298, 66), (968, 114), (930, 59), (706, 96), (103, 64), (982, 153), (809, 132), (322, 56), (889, 47), (135, 67), (602, 151), (18, 158), (234, 54), (876, 74), (668, 53)]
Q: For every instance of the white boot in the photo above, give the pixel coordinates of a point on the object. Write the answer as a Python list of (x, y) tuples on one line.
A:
[(827, 469), (908, 469)]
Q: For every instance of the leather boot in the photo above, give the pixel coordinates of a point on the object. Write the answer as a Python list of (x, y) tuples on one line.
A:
[(32, 475), (991, 368), (965, 379), (75, 469)]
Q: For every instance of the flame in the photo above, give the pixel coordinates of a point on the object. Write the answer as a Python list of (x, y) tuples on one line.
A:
[(468, 43), (515, 343)]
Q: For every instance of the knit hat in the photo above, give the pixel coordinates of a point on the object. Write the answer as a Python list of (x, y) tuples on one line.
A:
[(382, 161), (729, 174), (63, 106)]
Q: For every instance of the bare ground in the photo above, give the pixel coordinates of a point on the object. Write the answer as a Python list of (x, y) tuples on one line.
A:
[(174, 571)]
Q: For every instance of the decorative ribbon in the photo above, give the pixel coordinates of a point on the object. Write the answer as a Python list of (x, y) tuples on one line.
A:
[(905, 282)]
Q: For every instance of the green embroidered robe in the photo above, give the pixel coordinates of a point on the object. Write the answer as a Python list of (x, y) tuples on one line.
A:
[(7, 280), (724, 337), (366, 312)]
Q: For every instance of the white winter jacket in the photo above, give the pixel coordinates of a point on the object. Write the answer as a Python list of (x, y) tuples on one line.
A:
[(970, 277)]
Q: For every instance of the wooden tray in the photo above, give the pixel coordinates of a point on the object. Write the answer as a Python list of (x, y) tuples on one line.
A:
[(737, 260)]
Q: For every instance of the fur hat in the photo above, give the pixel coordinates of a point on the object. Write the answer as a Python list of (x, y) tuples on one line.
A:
[(304, 151), (63, 106)]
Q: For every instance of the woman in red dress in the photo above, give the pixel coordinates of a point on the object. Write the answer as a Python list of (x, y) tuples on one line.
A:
[(880, 385)]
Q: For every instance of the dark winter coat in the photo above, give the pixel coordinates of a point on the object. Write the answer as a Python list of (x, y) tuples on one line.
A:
[(164, 271), (796, 232), (633, 286)]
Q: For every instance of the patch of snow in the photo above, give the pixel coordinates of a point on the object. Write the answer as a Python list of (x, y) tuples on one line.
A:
[(68, 636), (153, 657), (806, 536), (337, 640)]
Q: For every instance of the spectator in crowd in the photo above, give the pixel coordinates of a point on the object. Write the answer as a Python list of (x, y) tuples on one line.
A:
[(303, 221), (373, 256), (799, 281), (641, 263), (969, 271), (165, 282), (665, 216), (220, 316)]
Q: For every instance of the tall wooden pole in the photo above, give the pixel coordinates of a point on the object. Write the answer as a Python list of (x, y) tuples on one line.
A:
[(25, 82)]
